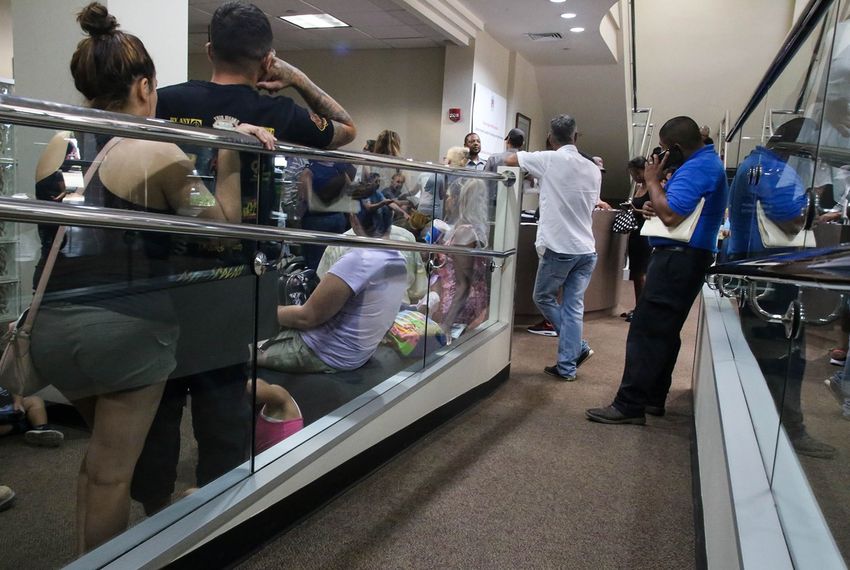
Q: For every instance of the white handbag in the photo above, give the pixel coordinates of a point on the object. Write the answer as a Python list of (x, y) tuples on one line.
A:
[(654, 227), (774, 236)]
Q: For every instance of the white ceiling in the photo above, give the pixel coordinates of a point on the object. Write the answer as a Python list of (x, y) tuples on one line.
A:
[(375, 24), (510, 20), (386, 24)]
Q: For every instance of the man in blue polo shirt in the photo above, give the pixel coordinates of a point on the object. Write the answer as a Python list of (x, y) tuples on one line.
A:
[(675, 274)]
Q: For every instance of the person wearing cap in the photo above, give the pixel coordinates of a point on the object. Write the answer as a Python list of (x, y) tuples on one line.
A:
[(514, 142)]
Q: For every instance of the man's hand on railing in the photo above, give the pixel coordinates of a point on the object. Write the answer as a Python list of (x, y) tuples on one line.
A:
[(266, 138)]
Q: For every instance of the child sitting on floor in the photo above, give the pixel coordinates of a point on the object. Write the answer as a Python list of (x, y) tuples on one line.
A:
[(278, 415), (27, 415)]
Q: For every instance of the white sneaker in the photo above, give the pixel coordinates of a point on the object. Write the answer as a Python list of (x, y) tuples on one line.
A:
[(7, 497)]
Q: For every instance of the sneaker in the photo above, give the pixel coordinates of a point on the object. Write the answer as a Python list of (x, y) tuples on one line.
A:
[(838, 393), (811, 447), (543, 328), (44, 436), (612, 415), (7, 497), (553, 371), (837, 356), (584, 356)]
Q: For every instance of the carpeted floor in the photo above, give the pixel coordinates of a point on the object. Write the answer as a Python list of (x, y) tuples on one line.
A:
[(522, 480)]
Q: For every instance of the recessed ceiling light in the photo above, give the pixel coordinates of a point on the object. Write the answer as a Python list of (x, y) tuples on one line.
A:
[(568, 15), (557, 1), (314, 21), (576, 30)]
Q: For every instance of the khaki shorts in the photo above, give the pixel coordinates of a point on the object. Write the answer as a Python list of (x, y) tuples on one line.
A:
[(287, 352)]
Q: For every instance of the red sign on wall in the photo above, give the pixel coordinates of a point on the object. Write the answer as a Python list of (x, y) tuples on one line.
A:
[(454, 115)]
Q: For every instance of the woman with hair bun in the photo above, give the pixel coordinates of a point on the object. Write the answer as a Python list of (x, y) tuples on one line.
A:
[(106, 333)]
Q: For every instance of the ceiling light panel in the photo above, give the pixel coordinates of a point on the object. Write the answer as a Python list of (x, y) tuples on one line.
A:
[(576, 30), (568, 15), (314, 21)]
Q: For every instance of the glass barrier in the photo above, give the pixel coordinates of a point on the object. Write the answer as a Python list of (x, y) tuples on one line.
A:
[(172, 366), (790, 193)]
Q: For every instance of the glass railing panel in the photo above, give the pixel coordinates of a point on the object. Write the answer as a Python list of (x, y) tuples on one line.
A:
[(812, 502), (830, 107), (142, 341), (142, 356), (342, 340), (459, 299), (194, 437), (422, 302), (776, 177)]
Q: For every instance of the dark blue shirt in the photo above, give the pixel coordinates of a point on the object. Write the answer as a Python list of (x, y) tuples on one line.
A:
[(777, 187), (702, 176)]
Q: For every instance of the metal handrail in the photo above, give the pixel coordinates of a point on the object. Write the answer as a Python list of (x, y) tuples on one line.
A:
[(42, 212), (803, 27), (44, 114)]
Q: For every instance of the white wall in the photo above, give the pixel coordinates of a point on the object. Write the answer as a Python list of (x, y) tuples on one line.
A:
[(166, 38), (704, 57), (505, 72), (595, 95), (6, 38), (457, 93), (400, 90), (524, 97)]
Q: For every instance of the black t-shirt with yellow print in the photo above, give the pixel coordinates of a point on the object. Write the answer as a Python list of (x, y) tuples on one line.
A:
[(205, 104)]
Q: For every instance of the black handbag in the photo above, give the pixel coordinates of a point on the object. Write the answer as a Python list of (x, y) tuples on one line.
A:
[(625, 222)]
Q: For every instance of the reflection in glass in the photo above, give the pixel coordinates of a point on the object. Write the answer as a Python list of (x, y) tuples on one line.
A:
[(768, 199)]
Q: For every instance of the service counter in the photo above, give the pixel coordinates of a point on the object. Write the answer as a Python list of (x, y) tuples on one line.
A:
[(602, 293)]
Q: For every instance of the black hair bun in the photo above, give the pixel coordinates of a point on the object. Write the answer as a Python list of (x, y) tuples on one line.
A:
[(96, 20)]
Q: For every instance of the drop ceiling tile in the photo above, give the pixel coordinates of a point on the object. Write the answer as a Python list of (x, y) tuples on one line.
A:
[(386, 4), (276, 8), (412, 43), (339, 34), (370, 19), (331, 6), (392, 32), (406, 17), (343, 45)]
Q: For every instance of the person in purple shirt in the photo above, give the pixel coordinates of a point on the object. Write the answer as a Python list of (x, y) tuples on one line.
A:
[(675, 273), (342, 323)]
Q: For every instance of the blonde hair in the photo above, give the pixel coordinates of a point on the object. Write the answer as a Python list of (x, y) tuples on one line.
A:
[(389, 143), (457, 156), (470, 199)]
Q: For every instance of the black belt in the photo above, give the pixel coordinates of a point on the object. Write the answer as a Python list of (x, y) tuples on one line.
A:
[(682, 249)]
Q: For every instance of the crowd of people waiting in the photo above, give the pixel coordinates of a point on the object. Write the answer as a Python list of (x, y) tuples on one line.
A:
[(123, 312)]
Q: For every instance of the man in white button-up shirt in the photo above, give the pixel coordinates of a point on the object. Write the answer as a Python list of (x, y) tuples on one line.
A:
[(569, 190)]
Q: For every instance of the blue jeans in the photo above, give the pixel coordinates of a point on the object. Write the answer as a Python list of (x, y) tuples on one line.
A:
[(572, 273)]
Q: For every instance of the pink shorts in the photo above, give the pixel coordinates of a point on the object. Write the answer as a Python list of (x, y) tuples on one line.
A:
[(270, 431)]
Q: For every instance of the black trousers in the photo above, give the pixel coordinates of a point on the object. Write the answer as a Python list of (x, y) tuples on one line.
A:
[(221, 422), (782, 361), (674, 278)]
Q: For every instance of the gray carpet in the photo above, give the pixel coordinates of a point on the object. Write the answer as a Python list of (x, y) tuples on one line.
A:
[(522, 479)]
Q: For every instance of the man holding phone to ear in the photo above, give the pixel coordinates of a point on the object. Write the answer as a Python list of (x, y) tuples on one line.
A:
[(676, 270)]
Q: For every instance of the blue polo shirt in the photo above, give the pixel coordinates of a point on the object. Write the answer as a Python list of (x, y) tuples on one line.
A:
[(702, 176), (780, 191)]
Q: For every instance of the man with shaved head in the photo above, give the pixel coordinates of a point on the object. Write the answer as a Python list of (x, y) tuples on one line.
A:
[(676, 270)]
